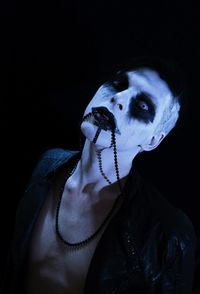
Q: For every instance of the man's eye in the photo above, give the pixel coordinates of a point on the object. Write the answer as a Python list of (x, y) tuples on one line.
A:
[(143, 105), (142, 108)]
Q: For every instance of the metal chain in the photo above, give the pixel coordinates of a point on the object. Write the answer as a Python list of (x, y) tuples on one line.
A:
[(80, 244)]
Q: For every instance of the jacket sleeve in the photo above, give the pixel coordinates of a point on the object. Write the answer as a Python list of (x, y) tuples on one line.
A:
[(179, 263), (196, 289)]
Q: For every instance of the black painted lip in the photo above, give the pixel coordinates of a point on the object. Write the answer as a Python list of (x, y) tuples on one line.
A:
[(104, 118)]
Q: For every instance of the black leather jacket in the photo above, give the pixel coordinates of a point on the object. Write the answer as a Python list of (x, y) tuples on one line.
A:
[(148, 247)]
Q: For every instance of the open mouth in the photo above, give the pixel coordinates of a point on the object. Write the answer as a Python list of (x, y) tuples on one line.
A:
[(103, 118)]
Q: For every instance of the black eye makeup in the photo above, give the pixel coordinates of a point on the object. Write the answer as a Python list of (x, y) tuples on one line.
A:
[(142, 108), (119, 82)]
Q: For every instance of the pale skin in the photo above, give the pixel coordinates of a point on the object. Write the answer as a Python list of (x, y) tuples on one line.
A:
[(87, 197), (135, 135)]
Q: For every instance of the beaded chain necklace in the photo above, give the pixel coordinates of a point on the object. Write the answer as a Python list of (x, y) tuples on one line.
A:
[(91, 237)]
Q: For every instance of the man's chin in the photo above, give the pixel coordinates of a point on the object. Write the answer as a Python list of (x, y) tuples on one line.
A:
[(89, 131)]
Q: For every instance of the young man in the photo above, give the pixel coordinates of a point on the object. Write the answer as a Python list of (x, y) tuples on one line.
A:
[(88, 222)]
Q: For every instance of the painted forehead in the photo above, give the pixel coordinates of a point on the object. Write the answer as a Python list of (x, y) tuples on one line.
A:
[(149, 81), (150, 93)]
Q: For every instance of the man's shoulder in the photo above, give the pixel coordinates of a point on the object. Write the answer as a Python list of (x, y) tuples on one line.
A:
[(170, 220), (57, 154), (50, 161)]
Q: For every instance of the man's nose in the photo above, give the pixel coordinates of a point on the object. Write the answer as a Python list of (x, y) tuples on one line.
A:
[(116, 100)]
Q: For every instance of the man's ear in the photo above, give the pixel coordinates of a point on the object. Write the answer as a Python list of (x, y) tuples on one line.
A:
[(153, 142)]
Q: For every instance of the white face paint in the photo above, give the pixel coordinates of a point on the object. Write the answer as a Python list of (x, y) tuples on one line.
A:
[(137, 100)]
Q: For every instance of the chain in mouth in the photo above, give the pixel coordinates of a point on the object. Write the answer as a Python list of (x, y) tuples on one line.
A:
[(102, 118)]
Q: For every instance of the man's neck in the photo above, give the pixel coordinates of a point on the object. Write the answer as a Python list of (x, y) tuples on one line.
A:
[(87, 173)]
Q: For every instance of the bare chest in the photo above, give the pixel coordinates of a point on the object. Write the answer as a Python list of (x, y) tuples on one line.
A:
[(54, 267)]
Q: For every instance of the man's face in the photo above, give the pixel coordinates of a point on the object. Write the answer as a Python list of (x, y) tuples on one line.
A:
[(138, 100)]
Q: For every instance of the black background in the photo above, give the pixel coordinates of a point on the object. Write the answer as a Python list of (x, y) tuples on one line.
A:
[(53, 57)]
